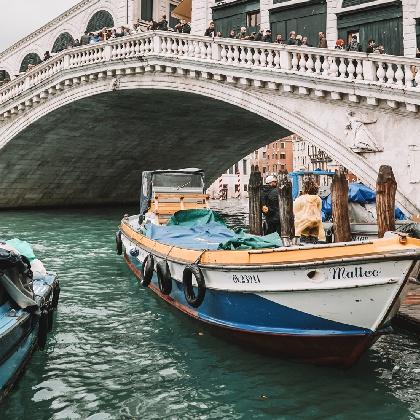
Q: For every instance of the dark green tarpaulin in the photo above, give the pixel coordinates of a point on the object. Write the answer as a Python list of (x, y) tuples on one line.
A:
[(200, 217)]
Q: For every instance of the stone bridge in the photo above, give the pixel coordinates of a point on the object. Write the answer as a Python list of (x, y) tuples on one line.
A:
[(79, 128)]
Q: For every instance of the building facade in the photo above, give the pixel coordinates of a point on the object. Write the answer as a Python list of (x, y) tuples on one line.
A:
[(270, 159)]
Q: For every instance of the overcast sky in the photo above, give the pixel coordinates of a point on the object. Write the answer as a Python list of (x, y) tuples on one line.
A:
[(21, 17)]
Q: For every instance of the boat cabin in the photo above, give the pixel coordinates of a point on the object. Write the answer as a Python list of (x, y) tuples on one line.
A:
[(164, 192)]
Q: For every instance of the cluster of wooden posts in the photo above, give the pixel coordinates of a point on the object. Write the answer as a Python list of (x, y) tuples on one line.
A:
[(386, 188)]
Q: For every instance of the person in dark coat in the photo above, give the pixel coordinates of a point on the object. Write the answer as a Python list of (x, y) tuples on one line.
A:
[(270, 204), (267, 37), (292, 38), (354, 44), (211, 30), (85, 39), (163, 24)]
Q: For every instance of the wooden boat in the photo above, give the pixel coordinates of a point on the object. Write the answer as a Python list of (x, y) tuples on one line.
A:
[(323, 304), (28, 297)]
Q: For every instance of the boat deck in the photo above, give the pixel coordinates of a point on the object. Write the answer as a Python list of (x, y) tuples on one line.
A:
[(409, 313)]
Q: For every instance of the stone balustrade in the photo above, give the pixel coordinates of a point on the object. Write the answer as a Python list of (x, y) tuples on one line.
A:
[(385, 77)]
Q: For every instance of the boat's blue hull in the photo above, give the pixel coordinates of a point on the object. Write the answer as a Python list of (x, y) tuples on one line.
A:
[(243, 319), (21, 331)]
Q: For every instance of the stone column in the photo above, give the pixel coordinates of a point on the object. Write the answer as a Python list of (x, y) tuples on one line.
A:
[(332, 31), (409, 27), (265, 6), (201, 15)]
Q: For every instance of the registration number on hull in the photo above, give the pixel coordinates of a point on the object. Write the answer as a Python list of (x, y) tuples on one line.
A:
[(246, 278)]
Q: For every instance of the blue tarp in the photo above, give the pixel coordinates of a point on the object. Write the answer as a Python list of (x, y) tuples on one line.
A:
[(205, 229), (202, 236), (358, 193)]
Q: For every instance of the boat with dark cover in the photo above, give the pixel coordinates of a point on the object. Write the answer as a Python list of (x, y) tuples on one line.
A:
[(28, 297)]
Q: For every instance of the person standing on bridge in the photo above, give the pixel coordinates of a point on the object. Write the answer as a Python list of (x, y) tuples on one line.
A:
[(270, 204), (211, 30), (322, 41), (85, 39)]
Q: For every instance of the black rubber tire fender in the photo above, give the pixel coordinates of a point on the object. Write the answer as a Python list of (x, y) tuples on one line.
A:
[(193, 299), (147, 270), (118, 242), (164, 277), (43, 329)]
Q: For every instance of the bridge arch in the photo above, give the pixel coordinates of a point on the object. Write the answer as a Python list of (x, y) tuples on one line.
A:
[(280, 113), (99, 20), (64, 40), (30, 58)]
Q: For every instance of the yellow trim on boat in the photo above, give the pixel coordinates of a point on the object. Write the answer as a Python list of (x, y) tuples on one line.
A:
[(274, 256)]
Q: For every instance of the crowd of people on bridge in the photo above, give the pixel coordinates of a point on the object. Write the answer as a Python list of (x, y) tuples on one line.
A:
[(183, 26), (297, 39)]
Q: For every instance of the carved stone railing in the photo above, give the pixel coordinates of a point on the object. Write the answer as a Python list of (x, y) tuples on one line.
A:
[(385, 75)]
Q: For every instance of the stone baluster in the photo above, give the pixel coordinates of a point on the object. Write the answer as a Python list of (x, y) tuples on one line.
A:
[(380, 72), (191, 48), (318, 64), (302, 63), (142, 47), (310, 64), (256, 57), (236, 54), (137, 48), (163, 46), (197, 51), (202, 50), (277, 59), (333, 68), (295, 61), (399, 75), (169, 43), (263, 58), (208, 51), (390, 74), (351, 70), (359, 70), (342, 68), (175, 47), (270, 59), (326, 65), (185, 47)]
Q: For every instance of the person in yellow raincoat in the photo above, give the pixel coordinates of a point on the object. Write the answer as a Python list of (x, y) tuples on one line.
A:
[(307, 212)]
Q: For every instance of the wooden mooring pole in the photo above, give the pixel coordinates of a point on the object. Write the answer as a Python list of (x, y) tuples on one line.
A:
[(254, 194), (340, 207), (287, 219), (386, 187)]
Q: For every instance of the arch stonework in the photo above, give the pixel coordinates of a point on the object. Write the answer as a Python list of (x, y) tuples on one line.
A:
[(307, 117)]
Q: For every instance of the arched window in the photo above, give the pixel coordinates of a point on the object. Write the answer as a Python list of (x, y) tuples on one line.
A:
[(100, 20), (4, 76), (62, 42), (31, 58)]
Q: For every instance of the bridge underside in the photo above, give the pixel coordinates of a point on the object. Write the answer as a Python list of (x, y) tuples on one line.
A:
[(92, 151)]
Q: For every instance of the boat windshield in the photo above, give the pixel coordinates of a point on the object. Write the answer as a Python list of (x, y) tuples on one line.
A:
[(178, 181)]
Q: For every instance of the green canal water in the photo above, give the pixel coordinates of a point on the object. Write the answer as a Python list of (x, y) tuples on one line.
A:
[(116, 352)]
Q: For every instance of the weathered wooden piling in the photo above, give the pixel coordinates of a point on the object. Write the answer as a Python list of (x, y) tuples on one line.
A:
[(287, 219), (340, 207), (386, 187), (254, 194)]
